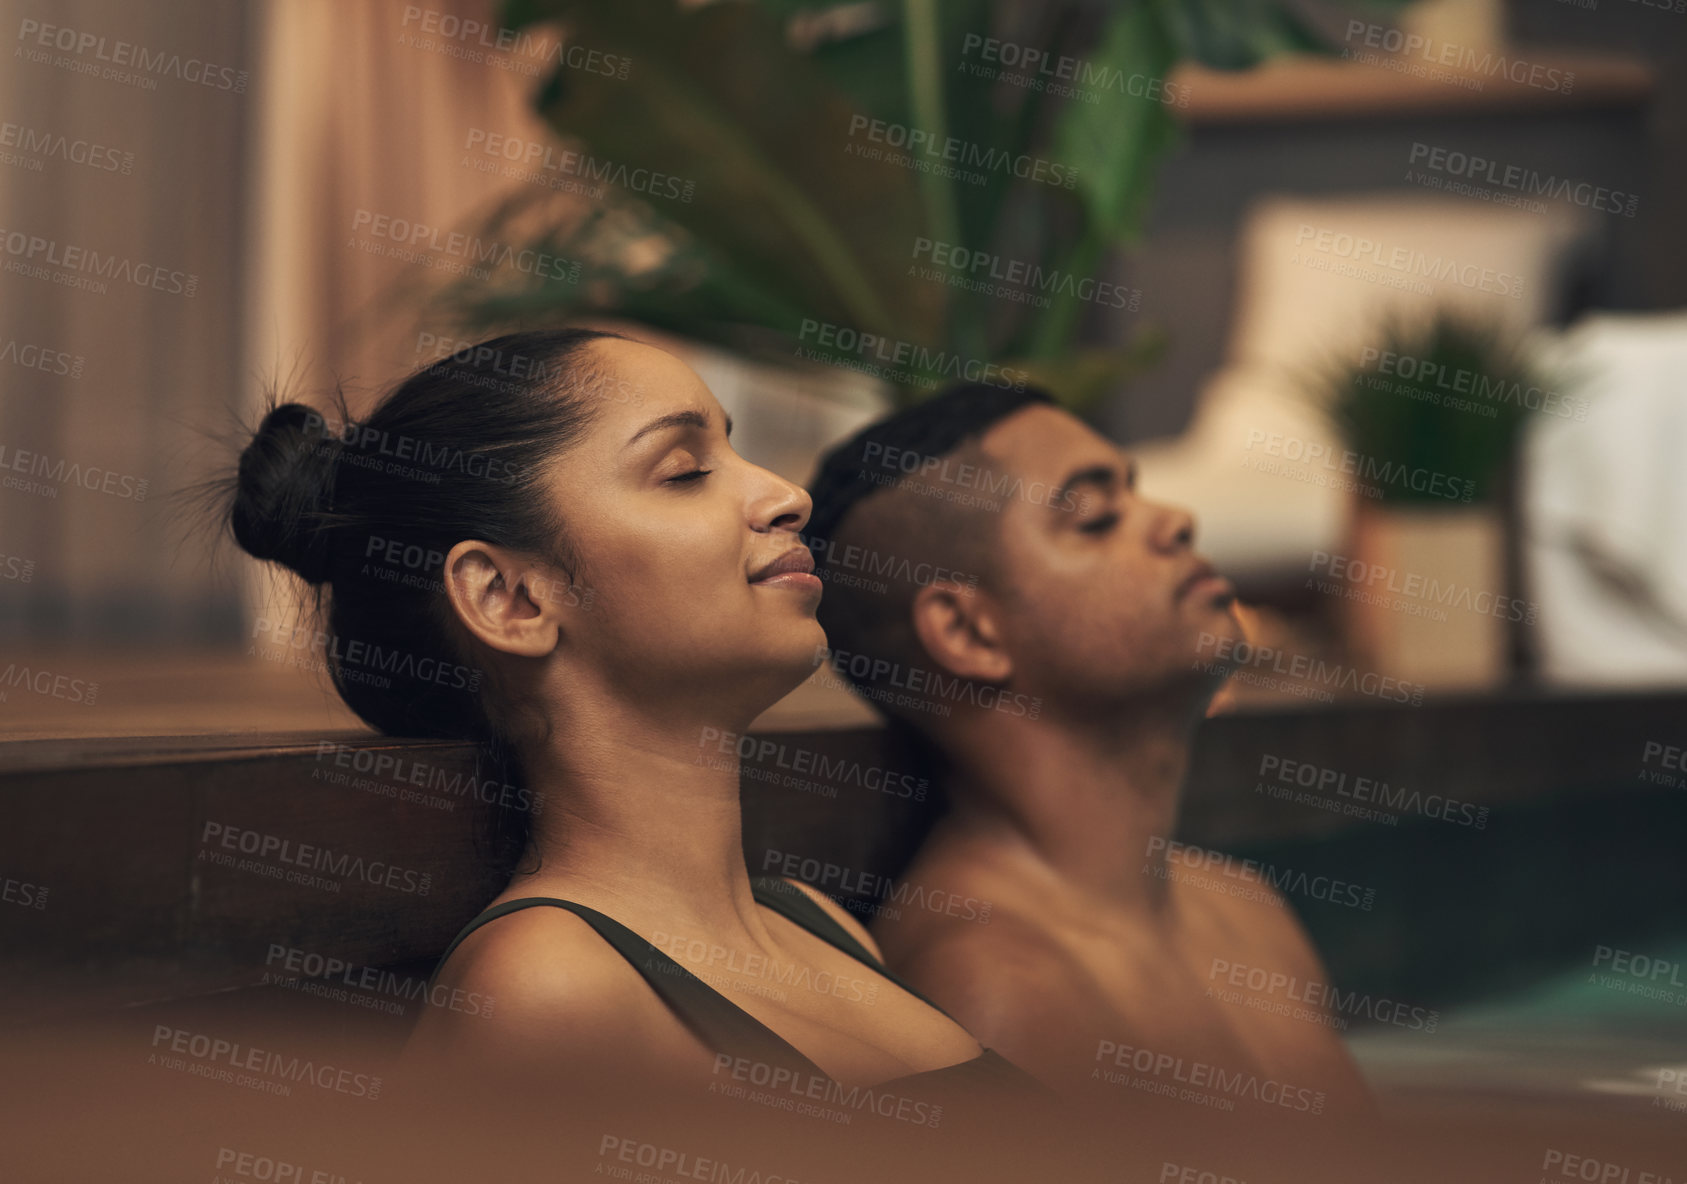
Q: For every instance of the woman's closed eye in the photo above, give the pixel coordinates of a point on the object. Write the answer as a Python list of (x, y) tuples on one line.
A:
[(1101, 524), (693, 475)]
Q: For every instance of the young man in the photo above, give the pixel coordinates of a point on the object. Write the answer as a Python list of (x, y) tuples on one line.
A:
[(996, 582)]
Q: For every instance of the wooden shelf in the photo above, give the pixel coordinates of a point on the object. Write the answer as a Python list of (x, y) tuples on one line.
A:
[(1292, 89)]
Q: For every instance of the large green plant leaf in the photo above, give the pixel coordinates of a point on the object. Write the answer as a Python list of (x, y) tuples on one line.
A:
[(1117, 146), (788, 220), (863, 58), (1082, 378), (915, 63), (614, 259), (779, 186), (1236, 34)]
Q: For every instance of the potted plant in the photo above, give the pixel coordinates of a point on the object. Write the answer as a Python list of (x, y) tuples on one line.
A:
[(1431, 416)]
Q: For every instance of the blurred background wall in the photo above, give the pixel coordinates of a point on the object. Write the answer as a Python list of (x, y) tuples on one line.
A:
[(239, 159)]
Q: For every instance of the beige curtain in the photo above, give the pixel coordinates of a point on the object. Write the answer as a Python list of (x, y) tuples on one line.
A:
[(317, 109), (369, 107), (101, 390)]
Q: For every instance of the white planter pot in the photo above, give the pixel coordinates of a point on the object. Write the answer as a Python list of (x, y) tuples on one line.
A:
[(1430, 605)]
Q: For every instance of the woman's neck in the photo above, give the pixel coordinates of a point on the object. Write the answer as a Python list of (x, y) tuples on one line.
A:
[(642, 816)]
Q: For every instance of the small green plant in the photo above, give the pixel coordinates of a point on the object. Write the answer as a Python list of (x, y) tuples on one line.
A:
[(1448, 397)]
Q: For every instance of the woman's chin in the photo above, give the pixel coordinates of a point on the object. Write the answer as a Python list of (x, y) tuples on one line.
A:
[(798, 661)]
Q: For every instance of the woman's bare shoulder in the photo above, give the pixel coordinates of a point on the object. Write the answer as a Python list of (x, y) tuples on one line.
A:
[(537, 983)]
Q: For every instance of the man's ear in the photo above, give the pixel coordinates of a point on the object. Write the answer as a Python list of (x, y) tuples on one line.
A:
[(960, 630), (492, 591)]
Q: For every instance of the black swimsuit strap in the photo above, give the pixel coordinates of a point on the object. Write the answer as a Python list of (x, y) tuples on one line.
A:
[(797, 906), (717, 1021), (713, 1018)]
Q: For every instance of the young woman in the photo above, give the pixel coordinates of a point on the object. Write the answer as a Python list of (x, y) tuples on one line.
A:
[(623, 584)]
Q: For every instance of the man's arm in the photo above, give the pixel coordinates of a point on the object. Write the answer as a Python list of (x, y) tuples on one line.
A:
[(1285, 946)]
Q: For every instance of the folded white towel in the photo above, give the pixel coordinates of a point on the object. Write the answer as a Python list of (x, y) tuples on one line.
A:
[(1605, 505)]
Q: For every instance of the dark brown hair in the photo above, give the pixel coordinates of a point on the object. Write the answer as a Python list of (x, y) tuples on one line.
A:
[(365, 513)]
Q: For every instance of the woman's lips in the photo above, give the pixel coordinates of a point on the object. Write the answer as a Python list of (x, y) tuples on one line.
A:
[(806, 580), (793, 569)]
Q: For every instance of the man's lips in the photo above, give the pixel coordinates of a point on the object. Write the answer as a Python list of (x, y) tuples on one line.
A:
[(1205, 576)]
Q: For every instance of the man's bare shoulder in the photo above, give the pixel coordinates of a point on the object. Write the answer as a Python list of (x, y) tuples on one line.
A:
[(995, 972), (1258, 924), (1014, 985)]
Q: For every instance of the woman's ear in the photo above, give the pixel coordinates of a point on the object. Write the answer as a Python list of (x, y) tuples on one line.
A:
[(501, 596), (959, 628)]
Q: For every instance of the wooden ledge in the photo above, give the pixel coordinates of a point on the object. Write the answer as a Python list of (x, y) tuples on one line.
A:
[(1306, 89)]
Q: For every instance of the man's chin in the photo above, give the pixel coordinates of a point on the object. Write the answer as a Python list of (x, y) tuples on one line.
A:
[(1221, 631), (1222, 619), (1228, 611)]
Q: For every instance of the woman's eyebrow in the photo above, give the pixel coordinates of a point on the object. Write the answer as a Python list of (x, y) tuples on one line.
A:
[(675, 419)]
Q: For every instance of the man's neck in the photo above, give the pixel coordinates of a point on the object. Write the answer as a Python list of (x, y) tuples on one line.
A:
[(1082, 800)]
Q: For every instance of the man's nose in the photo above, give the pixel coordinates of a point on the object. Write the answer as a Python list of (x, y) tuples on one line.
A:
[(1179, 528)]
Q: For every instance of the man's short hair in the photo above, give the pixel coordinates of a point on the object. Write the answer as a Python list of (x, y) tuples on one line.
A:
[(905, 502)]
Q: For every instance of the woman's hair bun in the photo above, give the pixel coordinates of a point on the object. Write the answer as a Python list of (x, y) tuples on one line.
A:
[(284, 489)]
